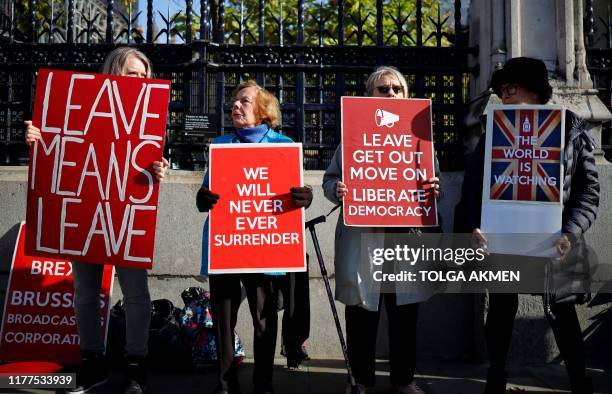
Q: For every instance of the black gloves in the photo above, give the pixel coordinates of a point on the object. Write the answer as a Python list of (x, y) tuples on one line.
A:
[(205, 199), (302, 196)]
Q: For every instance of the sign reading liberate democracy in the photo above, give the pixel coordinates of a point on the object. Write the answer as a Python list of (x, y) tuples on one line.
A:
[(92, 195), (255, 226), (523, 175), (387, 158), (38, 323)]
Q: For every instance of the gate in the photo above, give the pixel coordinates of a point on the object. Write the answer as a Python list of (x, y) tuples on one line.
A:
[(309, 53)]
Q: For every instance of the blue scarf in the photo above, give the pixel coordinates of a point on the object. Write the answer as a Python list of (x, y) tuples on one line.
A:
[(252, 134)]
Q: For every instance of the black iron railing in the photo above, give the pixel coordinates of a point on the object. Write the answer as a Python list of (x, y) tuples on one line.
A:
[(309, 53)]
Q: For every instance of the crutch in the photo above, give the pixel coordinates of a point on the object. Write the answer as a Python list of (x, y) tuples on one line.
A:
[(310, 225)]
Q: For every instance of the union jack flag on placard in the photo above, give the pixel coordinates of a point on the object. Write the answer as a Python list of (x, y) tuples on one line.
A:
[(525, 155)]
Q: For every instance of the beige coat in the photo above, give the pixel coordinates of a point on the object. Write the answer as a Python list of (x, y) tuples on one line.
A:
[(352, 260)]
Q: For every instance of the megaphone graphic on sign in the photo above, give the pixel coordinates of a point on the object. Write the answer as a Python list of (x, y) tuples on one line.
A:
[(384, 118)]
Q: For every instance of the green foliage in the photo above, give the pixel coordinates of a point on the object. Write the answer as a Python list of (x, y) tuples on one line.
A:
[(181, 25), (399, 18), (127, 4), (42, 15), (399, 21)]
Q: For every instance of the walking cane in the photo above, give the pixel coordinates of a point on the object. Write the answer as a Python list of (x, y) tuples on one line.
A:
[(311, 226)]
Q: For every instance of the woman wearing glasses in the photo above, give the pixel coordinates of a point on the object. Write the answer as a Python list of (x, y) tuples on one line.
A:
[(524, 81), (362, 310)]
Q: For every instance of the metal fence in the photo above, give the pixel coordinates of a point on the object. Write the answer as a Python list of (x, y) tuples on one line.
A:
[(308, 53)]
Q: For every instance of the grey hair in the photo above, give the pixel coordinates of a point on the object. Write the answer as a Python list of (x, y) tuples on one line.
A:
[(379, 73), (116, 60)]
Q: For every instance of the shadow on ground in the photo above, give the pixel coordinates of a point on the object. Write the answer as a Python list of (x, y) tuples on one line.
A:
[(329, 377), (326, 376)]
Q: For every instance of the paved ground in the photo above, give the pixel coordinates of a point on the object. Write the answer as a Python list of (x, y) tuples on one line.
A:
[(328, 377)]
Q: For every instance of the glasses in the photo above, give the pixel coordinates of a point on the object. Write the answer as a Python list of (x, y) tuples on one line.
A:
[(397, 89), (508, 90)]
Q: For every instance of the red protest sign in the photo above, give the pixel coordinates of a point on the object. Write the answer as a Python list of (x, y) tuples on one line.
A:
[(387, 156), (38, 323), (92, 195), (255, 227)]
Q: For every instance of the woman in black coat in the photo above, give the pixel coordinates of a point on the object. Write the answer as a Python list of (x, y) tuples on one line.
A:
[(525, 81)]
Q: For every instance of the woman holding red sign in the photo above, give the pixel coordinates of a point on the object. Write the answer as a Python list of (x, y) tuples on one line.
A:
[(255, 114), (93, 370), (362, 310)]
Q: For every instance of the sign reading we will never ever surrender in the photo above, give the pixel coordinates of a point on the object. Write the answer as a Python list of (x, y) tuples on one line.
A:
[(255, 226), (523, 178), (92, 195), (387, 158)]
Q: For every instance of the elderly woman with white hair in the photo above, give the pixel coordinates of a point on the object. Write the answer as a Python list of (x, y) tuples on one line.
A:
[(362, 310)]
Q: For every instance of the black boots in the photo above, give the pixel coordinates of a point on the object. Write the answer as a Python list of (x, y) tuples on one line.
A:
[(135, 368), (496, 382), (92, 373), (582, 386)]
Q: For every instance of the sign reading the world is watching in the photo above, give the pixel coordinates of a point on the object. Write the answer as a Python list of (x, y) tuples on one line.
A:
[(523, 178)]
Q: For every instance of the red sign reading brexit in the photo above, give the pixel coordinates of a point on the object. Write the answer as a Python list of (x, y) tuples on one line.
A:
[(92, 195), (38, 323), (387, 156), (255, 226)]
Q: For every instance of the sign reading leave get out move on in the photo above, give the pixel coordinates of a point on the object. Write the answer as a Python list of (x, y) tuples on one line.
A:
[(255, 226), (387, 160), (92, 195)]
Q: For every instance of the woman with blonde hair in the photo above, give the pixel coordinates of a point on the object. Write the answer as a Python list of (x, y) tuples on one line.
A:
[(362, 310), (255, 114), (93, 370)]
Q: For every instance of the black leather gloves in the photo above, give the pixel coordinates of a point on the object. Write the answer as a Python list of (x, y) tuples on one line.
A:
[(205, 199), (302, 196)]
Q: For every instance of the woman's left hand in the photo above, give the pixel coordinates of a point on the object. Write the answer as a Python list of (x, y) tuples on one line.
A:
[(301, 195), (159, 169), (563, 246), (435, 186)]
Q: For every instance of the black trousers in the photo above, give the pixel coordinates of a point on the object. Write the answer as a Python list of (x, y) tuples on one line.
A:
[(361, 332), (294, 287), (225, 297), (565, 326)]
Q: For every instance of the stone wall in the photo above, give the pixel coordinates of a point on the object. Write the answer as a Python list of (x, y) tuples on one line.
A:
[(450, 325)]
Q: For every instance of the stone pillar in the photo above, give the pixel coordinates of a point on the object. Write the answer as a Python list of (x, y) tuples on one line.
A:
[(551, 30)]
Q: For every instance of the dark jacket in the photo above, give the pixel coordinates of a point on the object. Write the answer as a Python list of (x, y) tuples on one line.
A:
[(580, 182), (564, 282)]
